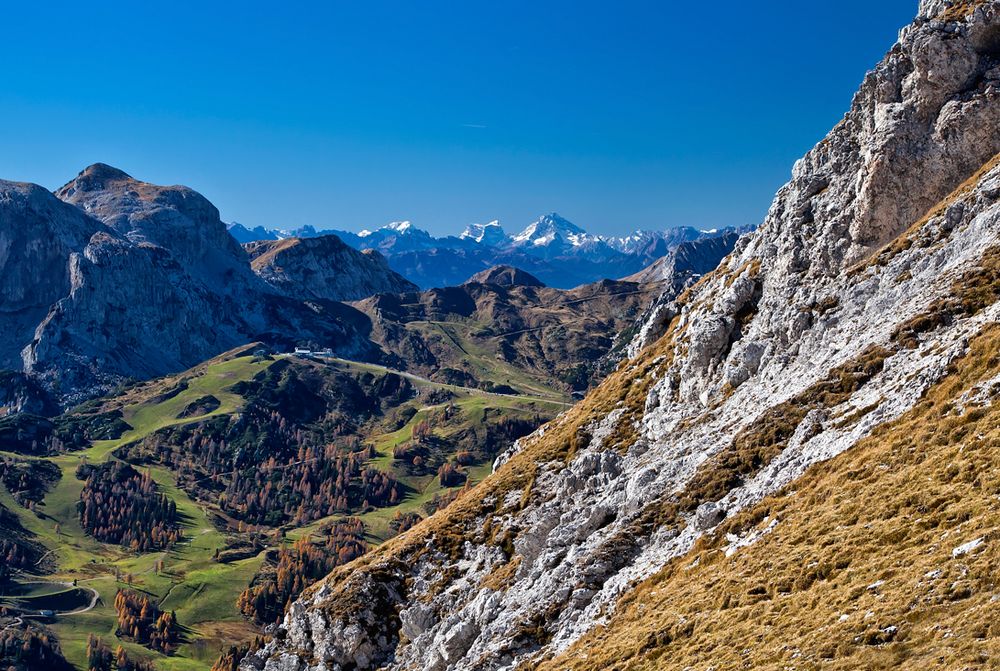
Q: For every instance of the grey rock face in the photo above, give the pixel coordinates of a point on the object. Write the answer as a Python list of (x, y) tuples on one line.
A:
[(37, 235), (19, 393), (678, 270), (174, 218), (131, 280), (801, 297), (707, 516)]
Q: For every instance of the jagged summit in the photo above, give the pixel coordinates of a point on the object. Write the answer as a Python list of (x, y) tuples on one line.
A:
[(552, 248), (548, 229), (491, 233), (399, 226), (404, 228)]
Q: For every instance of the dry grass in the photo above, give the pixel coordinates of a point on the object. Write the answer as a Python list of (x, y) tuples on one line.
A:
[(501, 577), (272, 249), (756, 446), (807, 595), (974, 291), (960, 9)]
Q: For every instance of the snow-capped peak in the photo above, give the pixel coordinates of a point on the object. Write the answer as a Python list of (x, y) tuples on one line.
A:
[(548, 229), (399, 226), (491, 233)]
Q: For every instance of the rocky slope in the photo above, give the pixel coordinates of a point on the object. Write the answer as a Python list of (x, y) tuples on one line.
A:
[(118, 279), (791, 472), (324, 267)]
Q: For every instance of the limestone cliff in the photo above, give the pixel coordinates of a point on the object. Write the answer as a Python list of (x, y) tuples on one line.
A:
[(122, 280)]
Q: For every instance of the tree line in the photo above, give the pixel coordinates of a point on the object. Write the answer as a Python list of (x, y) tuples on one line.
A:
[(120, 505), (26, 648), (141, 620)]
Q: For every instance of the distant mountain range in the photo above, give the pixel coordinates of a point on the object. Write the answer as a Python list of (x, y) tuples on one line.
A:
[(111, 279), (555, 250)]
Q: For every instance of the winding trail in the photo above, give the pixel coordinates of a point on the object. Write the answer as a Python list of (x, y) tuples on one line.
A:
[(94, 595), (418, 378)]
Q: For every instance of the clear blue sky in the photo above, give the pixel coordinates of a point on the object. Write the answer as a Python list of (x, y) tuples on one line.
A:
[(618, 115)]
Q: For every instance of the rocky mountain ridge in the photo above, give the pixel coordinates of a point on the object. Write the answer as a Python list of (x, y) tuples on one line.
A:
[(559, 252), (867, 299), (113, 279)]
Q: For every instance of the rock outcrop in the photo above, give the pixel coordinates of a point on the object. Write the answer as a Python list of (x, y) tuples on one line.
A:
[(505, 276), (38, 233), (127, 280), (867, 296), (324, 267)]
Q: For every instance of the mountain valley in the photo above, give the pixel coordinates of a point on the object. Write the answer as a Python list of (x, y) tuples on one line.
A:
[(210, 497), (258, 459)]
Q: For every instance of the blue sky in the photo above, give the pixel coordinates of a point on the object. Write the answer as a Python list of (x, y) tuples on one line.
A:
[(619, 115)]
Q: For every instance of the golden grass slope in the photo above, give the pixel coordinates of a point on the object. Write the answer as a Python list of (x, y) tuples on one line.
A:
[(959, 9), (864, 567)]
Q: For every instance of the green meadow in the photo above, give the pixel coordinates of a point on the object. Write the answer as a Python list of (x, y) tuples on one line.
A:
[(202, 591)]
